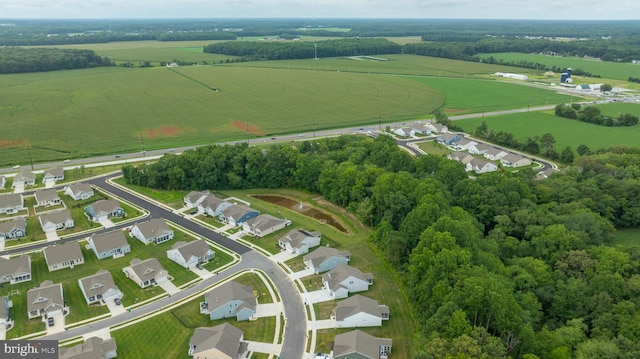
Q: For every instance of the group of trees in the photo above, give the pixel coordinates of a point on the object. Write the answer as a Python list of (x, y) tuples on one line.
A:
[(591, 114), (281, 50), (17, 59), (496, 266)]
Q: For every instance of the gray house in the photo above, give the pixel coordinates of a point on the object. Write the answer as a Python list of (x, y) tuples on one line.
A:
[(231, 299), (47, 197), (104, 209), (11, 203), (190, 254), (92, 348), (46, 300), (263, 225), (152, 231), (345, 279), (448, 139), (194, 198), (15, 270), (111, 244), (237, 214), (62, 256), (213, 206), (324, 259), (24, 179), (99, 288), (298, 241), (146, 273), (53, 175), (54, 221), (223, 341), (15, 228), (79, 191), (358, 344)]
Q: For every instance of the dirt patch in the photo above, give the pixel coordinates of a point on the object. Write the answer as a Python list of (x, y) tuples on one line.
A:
[(244, 127), (162, 131), (453, 110), (302, 208), (12, 143)]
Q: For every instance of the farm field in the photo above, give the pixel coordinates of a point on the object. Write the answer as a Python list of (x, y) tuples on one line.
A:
[(606, 70), (565, 131)]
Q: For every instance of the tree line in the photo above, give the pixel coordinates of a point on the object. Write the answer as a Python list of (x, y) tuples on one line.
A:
[(281, 50), (592, 114), (17, 59), (498, 266)]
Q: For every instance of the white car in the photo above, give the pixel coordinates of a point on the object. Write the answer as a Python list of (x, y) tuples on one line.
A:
[(16, 167), (66, 161)]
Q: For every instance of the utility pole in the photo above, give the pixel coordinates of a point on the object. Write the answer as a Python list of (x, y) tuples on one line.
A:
[(529, 104), (30, 158), (380, 122), (144, 153), (314, 127), (247, 133)]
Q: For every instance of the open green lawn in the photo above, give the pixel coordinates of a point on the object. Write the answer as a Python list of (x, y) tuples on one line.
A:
[(628, 238), (565, 131), (171, 198), (434, 148), (607, 70)]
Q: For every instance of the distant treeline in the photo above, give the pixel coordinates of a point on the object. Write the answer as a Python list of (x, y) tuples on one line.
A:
[(17, 60), (591, 114), (279, 50)]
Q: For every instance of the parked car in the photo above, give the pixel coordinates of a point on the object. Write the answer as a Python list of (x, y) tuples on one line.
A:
[(199, 266), (117, 301), (50, 321)]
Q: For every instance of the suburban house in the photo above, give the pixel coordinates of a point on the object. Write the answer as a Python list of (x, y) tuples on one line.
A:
[(478, 149), (460, 156), (15, 270), (494, 154), (478, 165), (213, 206), (464, 144), (54, 221), (5, 320), (111, 244), (190, 254), (403, 131), (99, 288), (3, 181), (263, 225), (359, 311), (46, 300), (62, 256), (79, 191), (298, 241), (546, 173), (146, 273), (231, 299), (93, 347), (24, 179), (11, 203), (194, 198), (325, 258), (237, 214), (104, 209), (358, 344), (448, 139), (152, 231), (53, 175), (420, 130), (515, 160), (438, 127), (47, 197), (345, 279), (13, 229), (223, 341)]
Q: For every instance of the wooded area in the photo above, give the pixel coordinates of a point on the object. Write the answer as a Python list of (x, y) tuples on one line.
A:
[(501, 265), (17, 59)]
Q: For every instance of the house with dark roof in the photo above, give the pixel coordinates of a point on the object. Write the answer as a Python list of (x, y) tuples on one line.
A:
[(15, 270), (325, 258), (24, 179), (45, 301), (223, 341), (146, 273), (263, 225), (190, 254), (345, 279), (155, 230), (53, 221), (109, 245), (92, 348), (237, 214), (13, 229), (358, 311), (99, 288), (79, 191), (298, 241), (104, 209), (231, 299), (361, 345), (11, 203), (194, 198), (67, 255)]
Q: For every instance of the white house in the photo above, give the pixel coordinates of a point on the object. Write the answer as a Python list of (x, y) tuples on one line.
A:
[(358, 311), (111, 244), (47, 197), (478, 149), (152, 231), (57, 220), (194, 198), (99, 288), (67, 255), (494, 154), (479, 165), (11, 203), (146, 273), (53, 175), (24, 179), (190, 254), (79, 191), (464, 144), (345, 279), (213, 206), (15, 270), (325, 258), (403, 131), (515, 160), (223, 341), (298, 241), (359, 344), (47, 300)]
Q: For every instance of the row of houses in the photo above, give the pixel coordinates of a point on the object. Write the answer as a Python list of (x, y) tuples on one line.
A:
[(467, 152), (27, 178), (419, 129)]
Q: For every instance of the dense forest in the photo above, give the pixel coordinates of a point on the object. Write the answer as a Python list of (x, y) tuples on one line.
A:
[(502, 265), (17, 59), (260, 50)]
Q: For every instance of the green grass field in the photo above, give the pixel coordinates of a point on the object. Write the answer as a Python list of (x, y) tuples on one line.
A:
[(565, 131), (607, 70)]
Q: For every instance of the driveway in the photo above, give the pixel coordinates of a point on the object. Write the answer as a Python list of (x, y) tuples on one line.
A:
[(316, 296), (58, 325), (115, 309), (269, 310), (168, 287), (322, 324), (259, 347), (202, 273), (18, 189), (3, 332), (51, 236), (106, 223), (282, 257), (301, 274)]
